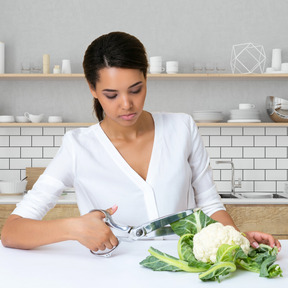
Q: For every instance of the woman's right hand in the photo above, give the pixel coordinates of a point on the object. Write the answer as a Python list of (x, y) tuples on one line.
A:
[(93, 233)]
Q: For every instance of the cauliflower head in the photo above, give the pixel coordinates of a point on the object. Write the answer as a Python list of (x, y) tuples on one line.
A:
[(210, 238)]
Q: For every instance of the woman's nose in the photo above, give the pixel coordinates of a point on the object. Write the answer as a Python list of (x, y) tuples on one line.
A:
[(126, 102)]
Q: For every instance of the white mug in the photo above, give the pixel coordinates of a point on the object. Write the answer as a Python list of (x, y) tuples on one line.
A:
[(172, 67), (55, 119), (156, 69), (66, 67), (246, 106), (284, 67), (34, 118), (276, 59)]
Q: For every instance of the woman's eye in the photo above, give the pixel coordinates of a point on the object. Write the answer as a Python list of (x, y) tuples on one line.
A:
[(110, 96), (135, 91)]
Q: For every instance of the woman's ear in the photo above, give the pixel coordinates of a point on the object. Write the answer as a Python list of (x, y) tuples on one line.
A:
[(92, 90)]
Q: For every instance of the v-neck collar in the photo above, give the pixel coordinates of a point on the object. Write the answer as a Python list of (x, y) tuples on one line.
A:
[(120, 161)]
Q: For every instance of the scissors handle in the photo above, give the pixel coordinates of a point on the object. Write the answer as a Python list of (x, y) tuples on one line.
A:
[(110, 222)]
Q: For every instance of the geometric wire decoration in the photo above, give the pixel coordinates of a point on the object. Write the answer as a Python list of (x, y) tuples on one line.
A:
[(248, 58)]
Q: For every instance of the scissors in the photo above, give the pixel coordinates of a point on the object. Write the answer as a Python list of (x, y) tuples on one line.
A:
[(156, 228)]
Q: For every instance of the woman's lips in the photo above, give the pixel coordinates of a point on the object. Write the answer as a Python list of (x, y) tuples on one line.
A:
[(128, 117)]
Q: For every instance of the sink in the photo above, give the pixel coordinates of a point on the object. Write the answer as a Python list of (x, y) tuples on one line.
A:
[(254, 195), (228, 196)]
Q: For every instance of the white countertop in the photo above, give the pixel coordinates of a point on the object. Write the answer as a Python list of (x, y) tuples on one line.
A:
[(67, 198), (69, 264), (70, 198)]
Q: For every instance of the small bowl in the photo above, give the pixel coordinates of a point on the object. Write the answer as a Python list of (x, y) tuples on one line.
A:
[(12, 187), (21, 119), (7, 118)]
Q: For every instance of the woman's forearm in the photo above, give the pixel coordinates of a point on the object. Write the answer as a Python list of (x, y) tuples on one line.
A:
[(223, 217), (25, 233)]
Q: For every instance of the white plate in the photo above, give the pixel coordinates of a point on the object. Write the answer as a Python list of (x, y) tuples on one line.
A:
[(244, 121)]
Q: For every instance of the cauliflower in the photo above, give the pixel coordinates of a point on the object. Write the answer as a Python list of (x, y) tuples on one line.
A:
[(210, 238)]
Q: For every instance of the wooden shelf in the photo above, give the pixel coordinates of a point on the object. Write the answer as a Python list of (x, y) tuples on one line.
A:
[(86, 124), (163, 75)]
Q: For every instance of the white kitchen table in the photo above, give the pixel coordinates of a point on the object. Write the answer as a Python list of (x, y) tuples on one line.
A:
[(69, 264)]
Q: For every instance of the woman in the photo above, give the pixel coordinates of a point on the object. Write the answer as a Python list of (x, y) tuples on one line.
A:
[(150, 165)]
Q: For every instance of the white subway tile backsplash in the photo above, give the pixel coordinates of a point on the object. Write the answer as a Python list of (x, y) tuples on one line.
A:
[(231, 131), (252, 152), (213, 152), (7, 131), (243, 164), (40, 162), (58, 141), (276, 152), (4, 164), (242, 141), (8, 175), (20, 141), (54, 131), (256, 153), (220, 141), (282, 141), (31, 131), (265, 141), (31, 152), (50, 152), (9, 152), (209, 131), (276, 175), (254, 131), (282, 164), (265, 186), (42, 140), (4, 140), (276, 130), (20, 163), (265, 164), (280, 186), (231, 152), (254, 175)]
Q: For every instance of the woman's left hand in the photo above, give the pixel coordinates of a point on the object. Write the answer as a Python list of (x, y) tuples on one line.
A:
[(256, 238)]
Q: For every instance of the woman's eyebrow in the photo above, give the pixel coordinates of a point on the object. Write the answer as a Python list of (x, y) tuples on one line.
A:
[(114, 90)]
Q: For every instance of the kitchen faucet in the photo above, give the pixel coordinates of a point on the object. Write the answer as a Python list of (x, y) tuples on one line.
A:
[(233, 183)]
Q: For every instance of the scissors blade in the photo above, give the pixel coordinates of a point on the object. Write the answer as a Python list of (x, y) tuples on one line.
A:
[(159, 224)]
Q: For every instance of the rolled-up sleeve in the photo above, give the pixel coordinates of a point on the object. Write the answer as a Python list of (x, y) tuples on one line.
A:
[(206, 195), (45, 192)]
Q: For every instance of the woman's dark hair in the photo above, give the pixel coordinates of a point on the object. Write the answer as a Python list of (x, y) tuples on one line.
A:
[(116, 49)]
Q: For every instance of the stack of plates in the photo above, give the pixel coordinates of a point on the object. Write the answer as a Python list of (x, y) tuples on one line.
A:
[(244, 115), (207, 116)]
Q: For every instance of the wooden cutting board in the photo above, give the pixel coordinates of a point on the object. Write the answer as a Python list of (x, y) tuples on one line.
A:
[(33, 174)]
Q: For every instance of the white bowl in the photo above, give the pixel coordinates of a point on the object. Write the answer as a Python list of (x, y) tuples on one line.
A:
[(7, 118), (12, 187)]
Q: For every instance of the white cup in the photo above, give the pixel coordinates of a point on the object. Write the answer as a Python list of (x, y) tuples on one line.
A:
[(156, 69), (66, 66), (284, 67), (246, 106), (172, 67), (55, 119), (269, 70), (156, 59), (34, 118), (276, 59)]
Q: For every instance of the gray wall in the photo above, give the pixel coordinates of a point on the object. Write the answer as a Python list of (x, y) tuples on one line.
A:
[(186, 30)]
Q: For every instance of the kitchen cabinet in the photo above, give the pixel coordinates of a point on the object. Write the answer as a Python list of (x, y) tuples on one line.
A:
[(60, 211), (267, 218)]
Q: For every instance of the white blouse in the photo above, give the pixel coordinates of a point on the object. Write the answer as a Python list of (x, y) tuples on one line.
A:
[(179, 176)]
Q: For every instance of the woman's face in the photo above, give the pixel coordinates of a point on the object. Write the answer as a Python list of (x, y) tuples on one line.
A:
[(121, 93)]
